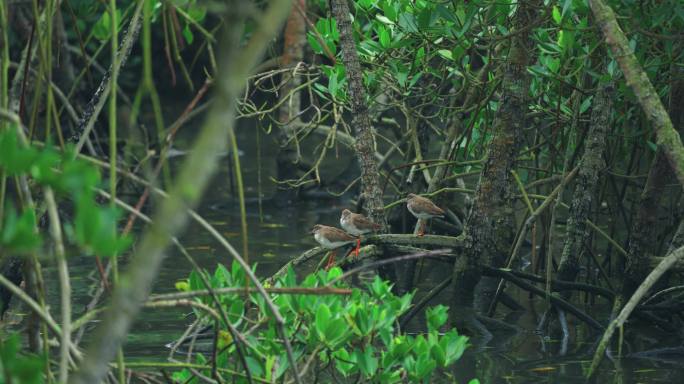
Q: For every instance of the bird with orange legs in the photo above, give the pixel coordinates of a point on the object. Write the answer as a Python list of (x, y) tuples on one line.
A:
[(423, 209), (331, 238), (357, 224)]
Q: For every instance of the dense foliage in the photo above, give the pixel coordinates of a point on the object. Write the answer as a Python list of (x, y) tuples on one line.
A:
[(547, 130)]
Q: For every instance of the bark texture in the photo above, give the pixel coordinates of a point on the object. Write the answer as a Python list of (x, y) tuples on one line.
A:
[(592, 163), (364, 141), (645, 227), (667, 137), (488, 227), (677, 115)]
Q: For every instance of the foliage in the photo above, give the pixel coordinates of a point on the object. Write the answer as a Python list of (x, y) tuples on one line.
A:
[(418, 55), (93, 226), (17, 368), (353, 336)]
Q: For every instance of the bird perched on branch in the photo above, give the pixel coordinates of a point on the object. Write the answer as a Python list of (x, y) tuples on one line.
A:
[(331, 238), (357, 225), (423, 209)]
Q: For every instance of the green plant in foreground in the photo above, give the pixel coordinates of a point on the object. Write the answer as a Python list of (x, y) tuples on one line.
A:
[(93, 226), (354, 336), (17, 368)]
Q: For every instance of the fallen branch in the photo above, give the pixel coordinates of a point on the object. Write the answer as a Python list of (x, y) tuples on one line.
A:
[(648, 282)]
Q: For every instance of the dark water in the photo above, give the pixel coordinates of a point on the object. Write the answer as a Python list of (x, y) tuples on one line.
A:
[(278, 231)]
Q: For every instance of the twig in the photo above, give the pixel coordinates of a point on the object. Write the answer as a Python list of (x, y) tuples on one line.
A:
[(94, 107), (241, 290)]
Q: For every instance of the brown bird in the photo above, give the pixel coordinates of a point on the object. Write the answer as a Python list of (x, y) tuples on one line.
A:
[(422, 208), (357, 225), (331, 238)]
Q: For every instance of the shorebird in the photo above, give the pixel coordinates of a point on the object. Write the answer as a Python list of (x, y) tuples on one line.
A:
[(423, 209), (331, 238), (357, 225)]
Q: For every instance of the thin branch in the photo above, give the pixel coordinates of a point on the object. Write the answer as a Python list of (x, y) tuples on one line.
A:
[(64, 284)]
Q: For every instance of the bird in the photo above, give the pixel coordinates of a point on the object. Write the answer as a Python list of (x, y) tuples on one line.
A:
[(357, 224), (422, 208), (331, 238)]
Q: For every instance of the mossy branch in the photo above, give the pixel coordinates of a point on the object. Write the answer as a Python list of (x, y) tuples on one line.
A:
[(667, 136)]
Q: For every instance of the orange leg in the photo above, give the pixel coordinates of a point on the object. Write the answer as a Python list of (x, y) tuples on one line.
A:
[(358, 245), (331, 261)]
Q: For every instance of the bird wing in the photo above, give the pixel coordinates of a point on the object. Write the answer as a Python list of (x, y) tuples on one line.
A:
[(340, 235), (362, 222), (431, 208)]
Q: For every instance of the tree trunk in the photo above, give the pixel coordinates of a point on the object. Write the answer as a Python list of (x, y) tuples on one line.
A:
[(645, 227), (288, 113), (361, 125), (592, 164), (488, 228), (667, 138)]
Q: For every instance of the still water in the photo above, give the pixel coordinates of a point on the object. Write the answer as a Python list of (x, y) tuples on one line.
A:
[(278, 231)]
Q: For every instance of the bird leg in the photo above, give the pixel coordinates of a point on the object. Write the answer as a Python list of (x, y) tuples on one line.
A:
[(331, 261), (358, 245), (421, 228)]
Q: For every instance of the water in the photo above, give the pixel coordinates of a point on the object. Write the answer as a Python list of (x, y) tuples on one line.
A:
[(278, 231)]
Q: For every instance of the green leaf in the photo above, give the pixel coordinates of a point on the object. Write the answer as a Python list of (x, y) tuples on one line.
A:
[(567, 6), (445, 53), (197, 13), (454, 345), (384, 20), (556, 15), (103, 27), (19, 232), (336, 332), (323, 317), (254, 366), (586, 103), (652, 145), (365, 4), (16, 367), (237, 309), (388, 7), (437, 352), (436, 317), (187, 34), (384, 36), (313, 43), (368, 363), (344, 362)]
